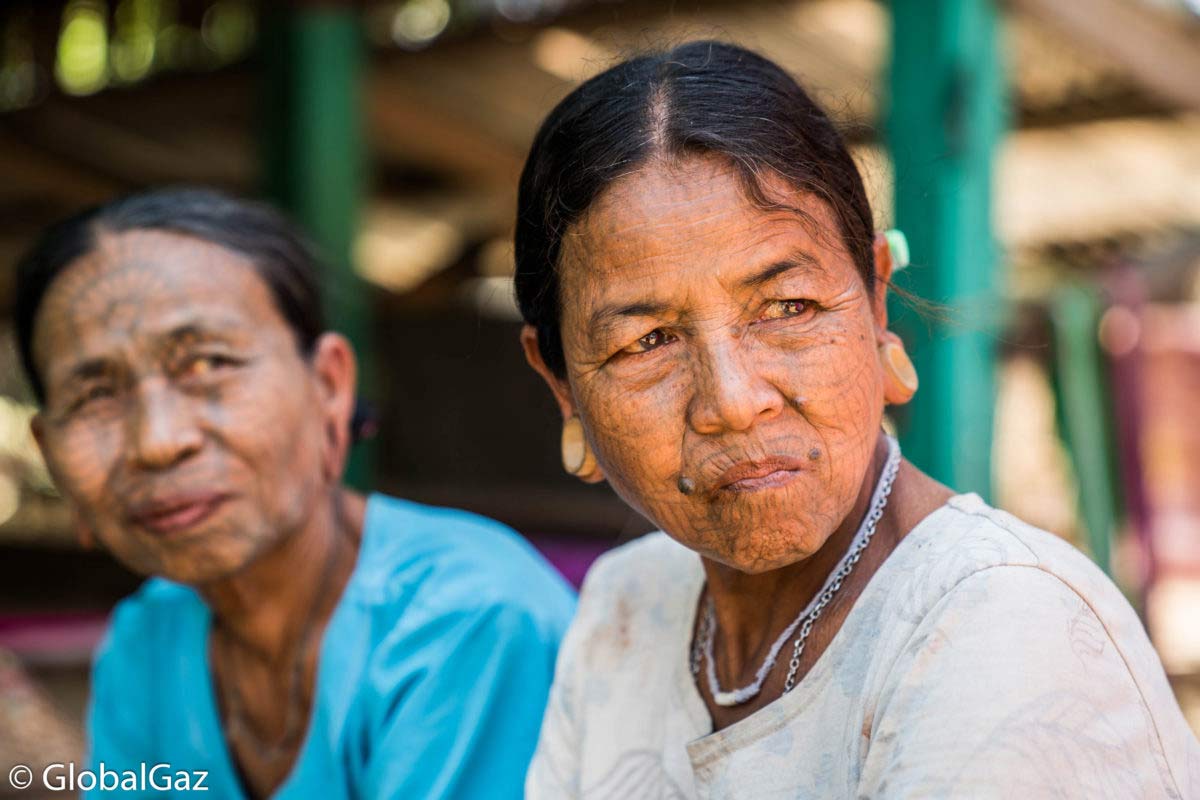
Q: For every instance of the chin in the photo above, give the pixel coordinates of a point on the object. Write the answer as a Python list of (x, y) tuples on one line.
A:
[(755, 555), (208, 556), (202, 569)]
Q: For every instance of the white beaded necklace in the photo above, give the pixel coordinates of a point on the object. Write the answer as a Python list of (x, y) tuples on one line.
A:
[(703, 647)]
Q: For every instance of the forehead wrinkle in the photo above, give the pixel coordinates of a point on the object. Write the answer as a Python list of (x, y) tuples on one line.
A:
[(203, 319), (602, 225), (740, 226), (170, 279), (731, 277), (652, 268)]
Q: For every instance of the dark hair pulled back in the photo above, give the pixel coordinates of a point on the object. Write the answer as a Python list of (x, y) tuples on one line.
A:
[(700, 98)]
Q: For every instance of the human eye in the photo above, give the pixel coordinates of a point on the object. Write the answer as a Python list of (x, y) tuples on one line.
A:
[(787, 309), (651, 341), (201, 365), (90, 395)]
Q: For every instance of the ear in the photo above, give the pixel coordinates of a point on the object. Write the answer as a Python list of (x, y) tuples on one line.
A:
[(566, 404), (883, 278), (558, 386), (336, 371)]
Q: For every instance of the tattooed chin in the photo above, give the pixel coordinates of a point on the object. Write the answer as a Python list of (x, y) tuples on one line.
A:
[(209, 549)]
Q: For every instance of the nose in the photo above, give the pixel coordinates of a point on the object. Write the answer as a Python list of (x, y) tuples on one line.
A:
[(163, 428), (730, 393)]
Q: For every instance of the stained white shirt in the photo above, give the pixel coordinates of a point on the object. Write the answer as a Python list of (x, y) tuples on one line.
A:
[(984, 659)]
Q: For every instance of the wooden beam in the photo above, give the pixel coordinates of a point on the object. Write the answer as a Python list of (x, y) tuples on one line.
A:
[(1157, 52), (412, 126)]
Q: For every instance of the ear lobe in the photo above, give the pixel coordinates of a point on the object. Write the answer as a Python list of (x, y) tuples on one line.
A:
[(595, 476), (336, 366), (900, 380), (336, 371), (337, 444), (577, 456), (558, 386)]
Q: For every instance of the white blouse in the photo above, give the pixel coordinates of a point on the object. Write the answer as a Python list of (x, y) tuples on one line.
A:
[(985, 659)]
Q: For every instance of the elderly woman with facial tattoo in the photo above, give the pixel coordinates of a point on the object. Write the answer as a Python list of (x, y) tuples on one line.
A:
[(706, 299), (295, 639)]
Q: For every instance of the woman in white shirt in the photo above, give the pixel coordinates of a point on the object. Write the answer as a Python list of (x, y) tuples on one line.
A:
[(706, 298)]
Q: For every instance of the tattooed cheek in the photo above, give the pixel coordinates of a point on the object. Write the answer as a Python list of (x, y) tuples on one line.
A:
[(213, 397)]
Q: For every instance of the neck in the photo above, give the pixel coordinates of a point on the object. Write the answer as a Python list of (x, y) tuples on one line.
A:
[(753, 609), (267, 605)]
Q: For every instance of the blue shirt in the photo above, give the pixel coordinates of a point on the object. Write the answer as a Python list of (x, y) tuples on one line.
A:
[(431, 681)]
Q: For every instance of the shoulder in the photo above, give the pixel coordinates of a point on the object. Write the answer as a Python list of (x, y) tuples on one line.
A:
[(650, 569), (430, 562), (1015, 618), (149, 617), (967, 544), (146, 629), (633, 599)]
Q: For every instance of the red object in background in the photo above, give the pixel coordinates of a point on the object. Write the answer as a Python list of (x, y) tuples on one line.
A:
[(48, 639)]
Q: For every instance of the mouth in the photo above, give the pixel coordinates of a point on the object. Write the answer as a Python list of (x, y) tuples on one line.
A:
[(759, 475), (178, 513)]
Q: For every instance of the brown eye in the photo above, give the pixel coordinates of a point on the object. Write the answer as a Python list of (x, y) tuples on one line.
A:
[(783, 309), (198, 367), (201, 366), (91, 395), (653, 339)]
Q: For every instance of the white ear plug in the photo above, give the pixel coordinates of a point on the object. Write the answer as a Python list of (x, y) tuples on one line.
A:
[(898, 247)]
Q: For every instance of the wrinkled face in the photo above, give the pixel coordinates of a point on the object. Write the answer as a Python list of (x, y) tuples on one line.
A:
[(709, 339), (180, 420)]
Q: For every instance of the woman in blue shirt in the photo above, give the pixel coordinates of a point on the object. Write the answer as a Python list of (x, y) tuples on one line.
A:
[(295, 639)]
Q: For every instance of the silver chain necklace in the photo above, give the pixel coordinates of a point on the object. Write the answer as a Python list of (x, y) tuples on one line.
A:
[(702, 649)]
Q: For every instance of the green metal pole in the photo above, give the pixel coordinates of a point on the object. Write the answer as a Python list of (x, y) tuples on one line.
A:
[(1081, 385), (314, 158), (945, 120)]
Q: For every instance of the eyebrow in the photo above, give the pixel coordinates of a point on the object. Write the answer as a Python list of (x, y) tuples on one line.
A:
[(797, 260), (88, 369)]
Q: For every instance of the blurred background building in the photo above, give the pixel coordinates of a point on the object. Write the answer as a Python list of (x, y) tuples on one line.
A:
[(1044, 158)]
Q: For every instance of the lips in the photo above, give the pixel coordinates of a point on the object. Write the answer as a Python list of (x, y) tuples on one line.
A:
[(765, 473), (177, 513)]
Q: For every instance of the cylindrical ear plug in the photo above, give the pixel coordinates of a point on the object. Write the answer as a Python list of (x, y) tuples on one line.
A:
[(899, 376), (898, 247), (577, 456)]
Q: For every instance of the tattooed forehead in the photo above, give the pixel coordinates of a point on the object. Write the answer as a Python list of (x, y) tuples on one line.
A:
[(147, 287)]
